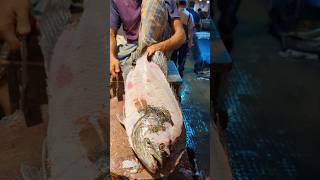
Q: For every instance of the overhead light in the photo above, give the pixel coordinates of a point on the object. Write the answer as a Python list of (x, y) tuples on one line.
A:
[(208, 2)]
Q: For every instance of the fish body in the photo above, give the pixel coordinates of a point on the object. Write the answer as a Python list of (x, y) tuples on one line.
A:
[(153, 118)]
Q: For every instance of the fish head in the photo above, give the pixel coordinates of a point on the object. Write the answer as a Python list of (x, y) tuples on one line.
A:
[(153, 154), (150, 140)]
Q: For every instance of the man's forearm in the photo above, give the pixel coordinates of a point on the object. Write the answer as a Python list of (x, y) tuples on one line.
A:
[(176, 40), (173, 43), (113, 43)]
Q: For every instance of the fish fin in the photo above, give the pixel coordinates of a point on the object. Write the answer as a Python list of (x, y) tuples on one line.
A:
[(141, 104)]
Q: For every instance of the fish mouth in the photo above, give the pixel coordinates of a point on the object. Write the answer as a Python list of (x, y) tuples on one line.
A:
[(156, 163), (158, 159), (155, 157)]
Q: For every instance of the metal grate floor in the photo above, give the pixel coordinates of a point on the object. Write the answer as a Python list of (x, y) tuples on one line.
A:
[(274, 123)]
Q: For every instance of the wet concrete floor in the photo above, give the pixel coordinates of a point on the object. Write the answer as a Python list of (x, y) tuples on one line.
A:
[(273, 105), (195, 104)]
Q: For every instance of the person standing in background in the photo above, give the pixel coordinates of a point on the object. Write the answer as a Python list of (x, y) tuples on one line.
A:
[(179, 55), (195, 15), (201, 14), (282, 16)]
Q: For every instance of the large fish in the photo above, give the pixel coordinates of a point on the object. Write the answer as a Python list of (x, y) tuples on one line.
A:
[(153, 118)]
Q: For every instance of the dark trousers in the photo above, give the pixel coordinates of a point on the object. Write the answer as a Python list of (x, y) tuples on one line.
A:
[(228, 20), (282, 15), (285, 14), (179, 57)]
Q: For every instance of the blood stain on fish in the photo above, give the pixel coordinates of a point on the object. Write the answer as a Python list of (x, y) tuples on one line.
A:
[(130, 85), (64, 76)]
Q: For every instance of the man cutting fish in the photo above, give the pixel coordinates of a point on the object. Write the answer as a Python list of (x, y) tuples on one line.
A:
[(158, 29)]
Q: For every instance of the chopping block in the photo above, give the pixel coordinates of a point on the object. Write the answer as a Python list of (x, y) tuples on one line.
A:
[(177, 166)]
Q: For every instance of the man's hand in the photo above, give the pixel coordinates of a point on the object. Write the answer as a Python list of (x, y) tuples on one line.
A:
[(153, 48), (114, 66), (14, 18)]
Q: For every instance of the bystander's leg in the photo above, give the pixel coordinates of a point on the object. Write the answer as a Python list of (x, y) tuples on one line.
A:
[(228, 20)]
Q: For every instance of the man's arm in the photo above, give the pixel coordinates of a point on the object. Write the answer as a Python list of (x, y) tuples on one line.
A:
[(173, 43), (177, 39), (114, 62), (190, 31)]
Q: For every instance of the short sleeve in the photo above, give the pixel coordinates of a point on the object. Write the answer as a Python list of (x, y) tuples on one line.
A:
[(172, 8), (115, 21)]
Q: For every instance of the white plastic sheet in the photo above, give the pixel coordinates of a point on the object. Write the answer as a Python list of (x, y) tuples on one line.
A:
[(146, 81)]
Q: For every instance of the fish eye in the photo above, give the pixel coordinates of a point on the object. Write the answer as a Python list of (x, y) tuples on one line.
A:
[(161, 146), (148, 141)]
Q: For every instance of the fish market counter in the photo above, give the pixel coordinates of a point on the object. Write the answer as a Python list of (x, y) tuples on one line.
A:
[(124, 164)]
